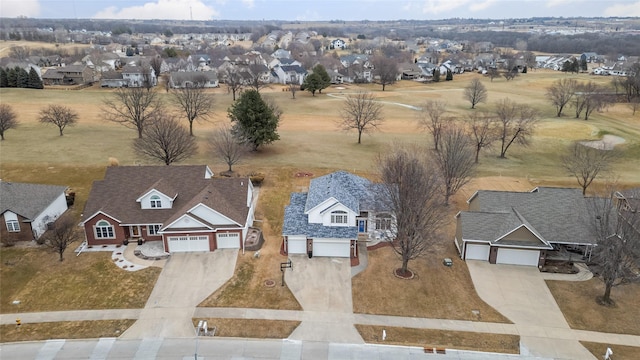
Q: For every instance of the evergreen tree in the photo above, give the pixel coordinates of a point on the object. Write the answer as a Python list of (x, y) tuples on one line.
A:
[(12, 77), (449, 75), (34, 80), (324, 76), (255, 122), (22, 77), (583, 64), (3, 78), (436, 75), (312, 83)]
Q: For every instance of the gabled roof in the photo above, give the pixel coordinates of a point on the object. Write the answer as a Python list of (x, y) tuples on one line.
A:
[(27, 200), (295, 68), (346, 188), (296, 222), (554, 215), (116, 194)]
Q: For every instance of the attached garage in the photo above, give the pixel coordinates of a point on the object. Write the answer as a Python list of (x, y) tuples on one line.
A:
[(297, 244), (518, 257), (188, 243), (477, 252), (228, 240), (332, 248)]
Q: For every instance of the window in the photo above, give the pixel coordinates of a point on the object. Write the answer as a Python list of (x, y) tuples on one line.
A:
[(339, 217), (383, 222), (13, 226), (156, 202), (104, 230), (153, 229)]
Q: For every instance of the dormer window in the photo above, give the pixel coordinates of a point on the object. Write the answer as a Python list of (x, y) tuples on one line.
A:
[(339, 217), (156, 202)]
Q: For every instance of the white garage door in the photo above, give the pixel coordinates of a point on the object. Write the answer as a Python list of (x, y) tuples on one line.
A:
[(477, 252), (297, 245), (228, 240), (332, 248), (188, 243), (518, 257)]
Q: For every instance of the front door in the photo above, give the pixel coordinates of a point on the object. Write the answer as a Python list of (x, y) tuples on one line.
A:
[(135, 231), (362, 225)]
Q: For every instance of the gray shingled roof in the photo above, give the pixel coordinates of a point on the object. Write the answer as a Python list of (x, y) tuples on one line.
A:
[(557, 215), (27, 200), (116, 195), (296, 222), (347, 188)]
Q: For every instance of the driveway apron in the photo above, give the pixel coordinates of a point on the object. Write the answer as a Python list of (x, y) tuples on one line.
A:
[(520, 294), (322, 286), (185, 281)]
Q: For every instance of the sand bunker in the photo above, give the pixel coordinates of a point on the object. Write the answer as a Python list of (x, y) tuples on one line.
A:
[(607, 143)]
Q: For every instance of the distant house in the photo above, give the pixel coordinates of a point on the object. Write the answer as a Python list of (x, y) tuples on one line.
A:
[(113, 79), (27, 209), (68, 75), (329, 218), (139, 76), (338, 44), (181, 79), (184, 207), (523, 228), (290, 74)]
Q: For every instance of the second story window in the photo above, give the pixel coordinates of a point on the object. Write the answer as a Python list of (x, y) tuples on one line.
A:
[(339, 217), (156, 202)]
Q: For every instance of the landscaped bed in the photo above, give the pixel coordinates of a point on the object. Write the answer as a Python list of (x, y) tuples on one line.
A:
[(429, 338), (251, 328)]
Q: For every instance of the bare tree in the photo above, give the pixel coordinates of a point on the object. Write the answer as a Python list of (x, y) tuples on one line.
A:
[(511, 74), (431, 117), (8, 119), (614, 220), (19, 52), (516, 122), (156, 65), (455, 160), (484, 131), (256, 81), (133, 108), (166, 140), (58, 115), (233, 80), (591, 97), (561, 92), (475, 92), (493, 73), (195, 102), (585, 163), (362, 113), (64, 232), (385, 70), (293, 87), (412, 190), (226, 147)]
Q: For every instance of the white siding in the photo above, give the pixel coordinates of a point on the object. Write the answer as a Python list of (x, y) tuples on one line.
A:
[(187, 222), (213, 217), (145, 201), (50, 214)]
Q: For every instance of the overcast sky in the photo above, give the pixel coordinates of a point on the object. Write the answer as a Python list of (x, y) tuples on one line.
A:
[(309, 10)]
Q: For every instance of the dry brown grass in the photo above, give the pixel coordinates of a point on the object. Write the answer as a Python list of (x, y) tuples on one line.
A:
[(64, 330), (577, 300), (5, 46), (251, 328), (620, 352), (36, 278), (428, 338)]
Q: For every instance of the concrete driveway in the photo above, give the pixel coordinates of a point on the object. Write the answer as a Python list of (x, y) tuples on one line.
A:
[(185, 281), (520, 294), (322, 286)]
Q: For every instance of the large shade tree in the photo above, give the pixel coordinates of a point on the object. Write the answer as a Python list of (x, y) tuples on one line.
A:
[(560, 93), (225, 146), (194, 102), (255, 121), (133, 108), (431, 117), (455, 160), (8, 119), (385, 70), (475, 92), (516, 123), (166, 140), (361, 112), (412, 190), (58, 115), (585, 163)]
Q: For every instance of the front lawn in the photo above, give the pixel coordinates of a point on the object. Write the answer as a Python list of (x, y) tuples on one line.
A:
[(577, 300), (36, 278), (251, 328), (64, 330), (620, 352)]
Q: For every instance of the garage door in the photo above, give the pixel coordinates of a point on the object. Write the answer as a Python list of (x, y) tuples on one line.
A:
[(333, 248), (228, 240), (477, 252), (297, 245), (188, 243), (518, 257)]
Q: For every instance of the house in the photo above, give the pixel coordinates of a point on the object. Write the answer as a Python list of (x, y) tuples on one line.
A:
[(28, 209), (139, 76), (328, 219), (182, 206), (290, 74), (338, 44), (524, 228), (113, 79), (181, 79)]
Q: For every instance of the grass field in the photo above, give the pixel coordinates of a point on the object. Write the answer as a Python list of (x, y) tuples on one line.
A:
[(251, 328), (64, 330)]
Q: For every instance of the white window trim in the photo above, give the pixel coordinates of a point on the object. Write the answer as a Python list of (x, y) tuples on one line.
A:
[(155, 202), (98, 236), (339, 217), (13, 225), (152, 227)]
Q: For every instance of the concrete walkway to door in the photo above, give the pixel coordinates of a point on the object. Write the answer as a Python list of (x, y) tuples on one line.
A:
[(520, 294), (322, 286), (185, 281)]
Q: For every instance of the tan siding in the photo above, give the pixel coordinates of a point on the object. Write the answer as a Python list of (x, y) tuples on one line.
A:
[(522, 234)]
